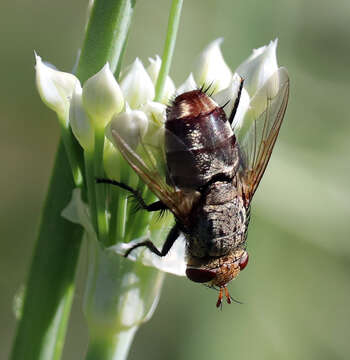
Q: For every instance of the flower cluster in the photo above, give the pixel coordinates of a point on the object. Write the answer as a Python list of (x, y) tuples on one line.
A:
[(128, 107), (117, 300)]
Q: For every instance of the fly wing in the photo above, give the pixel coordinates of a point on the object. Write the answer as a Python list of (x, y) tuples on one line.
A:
[(148, 161), (259, 132)]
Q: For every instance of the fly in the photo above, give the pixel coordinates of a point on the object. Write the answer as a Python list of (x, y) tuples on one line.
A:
[(210, 180)]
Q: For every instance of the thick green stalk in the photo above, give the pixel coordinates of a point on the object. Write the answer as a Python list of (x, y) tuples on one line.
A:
[(105, 36), (169, 47), (50, 286)]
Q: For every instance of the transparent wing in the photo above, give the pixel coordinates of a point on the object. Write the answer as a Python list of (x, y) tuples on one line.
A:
[(148, 161), (259, 132)]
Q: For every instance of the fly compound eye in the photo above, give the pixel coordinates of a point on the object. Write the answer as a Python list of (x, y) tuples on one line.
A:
[(200, 275), (243, 261)]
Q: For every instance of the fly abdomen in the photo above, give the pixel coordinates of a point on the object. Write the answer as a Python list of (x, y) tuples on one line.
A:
[(199, 141)]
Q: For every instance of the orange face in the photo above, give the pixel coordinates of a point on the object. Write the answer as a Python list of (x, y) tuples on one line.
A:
[(217, 271)]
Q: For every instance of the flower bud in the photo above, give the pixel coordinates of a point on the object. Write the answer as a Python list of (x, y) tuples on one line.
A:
[(211, 68), (259, 67), (80, 122), (155, 112), (55, 88), (188, 85), (153, 71), (131, 125), (102, 97), (137, 85)]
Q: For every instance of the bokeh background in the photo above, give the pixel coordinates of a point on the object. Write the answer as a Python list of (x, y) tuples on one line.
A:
[(296, 289)]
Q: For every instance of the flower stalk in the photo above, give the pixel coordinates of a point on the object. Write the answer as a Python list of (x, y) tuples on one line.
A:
[(173, 26)]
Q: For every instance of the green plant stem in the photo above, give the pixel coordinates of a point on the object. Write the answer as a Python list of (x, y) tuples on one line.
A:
[(106, 348), (72, 153), (50, 286), (105, 36), (169, 47), (100, 189), (119, 200), (90, 183)]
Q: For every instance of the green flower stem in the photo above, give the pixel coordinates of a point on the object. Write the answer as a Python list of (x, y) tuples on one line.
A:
[(120, 218), (115, 347), (90, 183), (138, 224), (105, 36), (100, 189), (50, 286), (173, 25), (72, 154)]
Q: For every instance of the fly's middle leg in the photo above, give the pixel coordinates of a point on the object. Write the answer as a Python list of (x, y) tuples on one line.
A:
[(156, 206)]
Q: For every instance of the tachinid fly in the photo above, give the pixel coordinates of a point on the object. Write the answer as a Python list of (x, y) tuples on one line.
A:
[(210, 177)]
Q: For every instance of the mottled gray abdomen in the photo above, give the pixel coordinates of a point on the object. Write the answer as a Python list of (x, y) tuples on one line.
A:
[(219, 223)]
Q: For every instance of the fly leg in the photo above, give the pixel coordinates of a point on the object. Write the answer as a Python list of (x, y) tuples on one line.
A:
[(228, 297), (156, 206), (219, 302), (169, 242)]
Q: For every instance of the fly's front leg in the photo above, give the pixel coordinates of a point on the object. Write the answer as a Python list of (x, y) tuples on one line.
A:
[(169, 242), (156, 206)]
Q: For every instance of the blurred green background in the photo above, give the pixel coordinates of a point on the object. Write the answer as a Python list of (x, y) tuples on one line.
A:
[(296, 289)]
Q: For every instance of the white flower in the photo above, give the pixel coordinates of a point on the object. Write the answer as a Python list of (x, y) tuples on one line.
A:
[(80, 122), (211, 69), (153, 71), (259, 67), (188, 85), (137, 85), (102, 97), (155, 111), (55, 88), (131, 125)]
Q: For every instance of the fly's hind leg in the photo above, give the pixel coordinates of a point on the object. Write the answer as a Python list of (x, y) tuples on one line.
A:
[(169, 242), (156, 206)]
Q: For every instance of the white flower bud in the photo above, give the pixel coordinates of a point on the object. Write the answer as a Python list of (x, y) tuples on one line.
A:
[(155, 111), (154, 137), (188, 85), (131, 125), (80, 122), (211, 68), (153, 71), (55, 88), (102, 97), (259, 67), (228, 96), (137, 85)]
